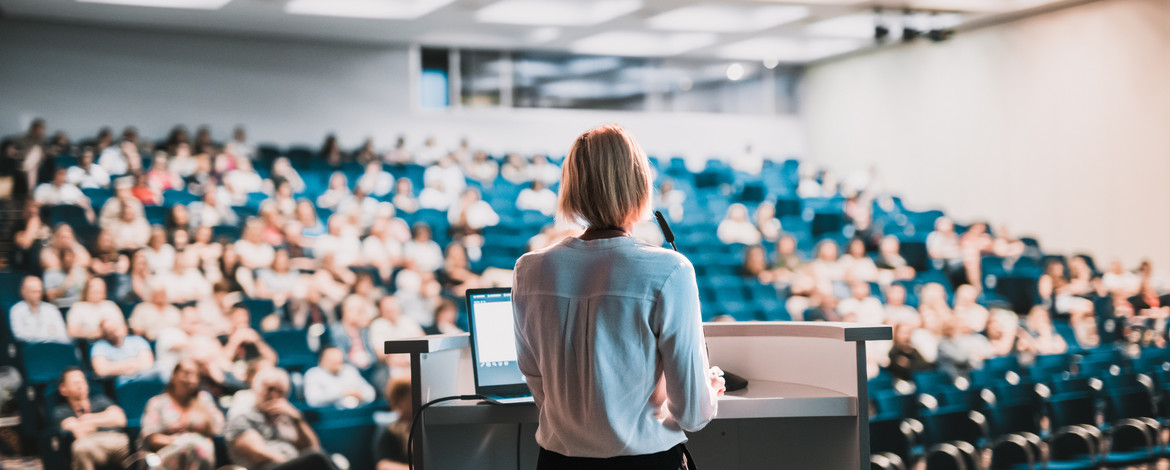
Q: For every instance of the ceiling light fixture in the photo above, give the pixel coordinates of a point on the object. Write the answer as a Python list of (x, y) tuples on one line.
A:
[(181, 4), (556, 12), (735, 71), (367, 9)]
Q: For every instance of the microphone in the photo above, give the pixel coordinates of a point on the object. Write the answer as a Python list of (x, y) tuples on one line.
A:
[(666, 232)]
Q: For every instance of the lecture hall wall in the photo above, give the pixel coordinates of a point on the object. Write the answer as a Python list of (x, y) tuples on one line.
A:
[(295, 92), (1057, 125)]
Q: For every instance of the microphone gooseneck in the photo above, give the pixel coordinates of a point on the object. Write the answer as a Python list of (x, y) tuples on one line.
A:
[(666, 232)]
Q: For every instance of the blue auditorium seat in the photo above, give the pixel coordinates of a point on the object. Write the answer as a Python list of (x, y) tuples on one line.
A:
[(292, 348), (132, 397), (178, 196), (43, 362)]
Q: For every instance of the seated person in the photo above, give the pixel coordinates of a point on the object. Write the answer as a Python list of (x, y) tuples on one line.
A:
[(97, 424), (155, 314), (861, 306), (905, 359), (967, 308), (33, 320), (896, 309), (179, 424), (84, 319), (273, 435), (60, 191), (335, 383), (390, 452), (890, 263), (116, 354), (391, 324), (537, 198), (737, 228), (960, 350)]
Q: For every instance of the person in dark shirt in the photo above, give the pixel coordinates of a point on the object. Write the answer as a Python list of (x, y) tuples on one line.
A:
[(96, 422), (390, 451), (904, 357)]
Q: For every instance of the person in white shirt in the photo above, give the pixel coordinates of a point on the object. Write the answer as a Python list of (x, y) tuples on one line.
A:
[(381, 249), (375, 181), (544, 171), (537, 198), (338, 190), (342, 242), (85, 317), (422, 251), (482, 169), (429, 154), (448, 172), (184, 281), (897, 311), (750, 161), (966, 308), (435, 196), (239, 146), (254, 252), (736, 228), (335, 383), (121, 159), (33, 320), (87, 174), (391, 324), (861, 306), (618, 385), (60, 192), (214, 209)]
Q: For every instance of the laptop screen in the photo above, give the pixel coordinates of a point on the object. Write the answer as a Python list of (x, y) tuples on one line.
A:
[(493, 337)]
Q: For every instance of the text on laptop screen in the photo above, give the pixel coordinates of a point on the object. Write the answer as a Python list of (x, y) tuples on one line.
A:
[(495, 340)]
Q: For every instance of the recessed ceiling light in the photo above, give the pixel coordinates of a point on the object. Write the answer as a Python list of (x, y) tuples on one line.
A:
[(640, 44), (735, 71), (371, 9), (789, 49), (726, 18), (543, 35), (186, 4), (556, 12), (771, 62)]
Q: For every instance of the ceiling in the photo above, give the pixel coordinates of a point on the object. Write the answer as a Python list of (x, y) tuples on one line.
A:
[(788, 31)]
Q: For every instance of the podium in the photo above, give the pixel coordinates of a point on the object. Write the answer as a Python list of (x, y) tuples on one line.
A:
[(805, 406)]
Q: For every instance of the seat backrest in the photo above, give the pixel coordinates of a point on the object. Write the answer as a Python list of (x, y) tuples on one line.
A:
[(43, 362)]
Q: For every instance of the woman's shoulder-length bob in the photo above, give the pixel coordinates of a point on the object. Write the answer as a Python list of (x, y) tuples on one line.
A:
[(606, 181)]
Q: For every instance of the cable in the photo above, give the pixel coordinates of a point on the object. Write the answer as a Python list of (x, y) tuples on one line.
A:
[(418, 416), (519, 432)]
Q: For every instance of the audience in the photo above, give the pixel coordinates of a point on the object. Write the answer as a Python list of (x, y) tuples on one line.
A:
[(376, 272), (333, 382)]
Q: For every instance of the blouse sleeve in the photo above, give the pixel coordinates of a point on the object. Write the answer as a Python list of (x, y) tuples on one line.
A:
[(152, 416), (682, 347)]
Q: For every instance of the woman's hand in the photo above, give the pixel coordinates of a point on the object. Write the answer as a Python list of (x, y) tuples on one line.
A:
[(715, 380)]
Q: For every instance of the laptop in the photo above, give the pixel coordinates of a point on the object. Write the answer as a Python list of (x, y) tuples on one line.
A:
[(493, 347)]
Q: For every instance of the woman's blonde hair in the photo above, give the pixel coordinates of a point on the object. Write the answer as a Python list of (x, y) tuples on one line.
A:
[(606, 180)]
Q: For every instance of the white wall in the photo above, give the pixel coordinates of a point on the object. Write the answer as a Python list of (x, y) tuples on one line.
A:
[(80, 78), (1057, 125)]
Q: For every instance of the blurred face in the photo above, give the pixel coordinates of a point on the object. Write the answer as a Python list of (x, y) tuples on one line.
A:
[(786, 245), (856, 249), (896, 295), (755, 258), (945, 225), (113, 331), (31, 290), (271, 389), (859, 290), (827, 252), (185, 380), (59, 177), (332, 360), (889, 245), (965, 295), (95, 290), (389, 308), (240, 318), (74, 386)]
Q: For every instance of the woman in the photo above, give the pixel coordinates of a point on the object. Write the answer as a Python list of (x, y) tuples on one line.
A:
[(601, 384), (179, 424), (86, 316)]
